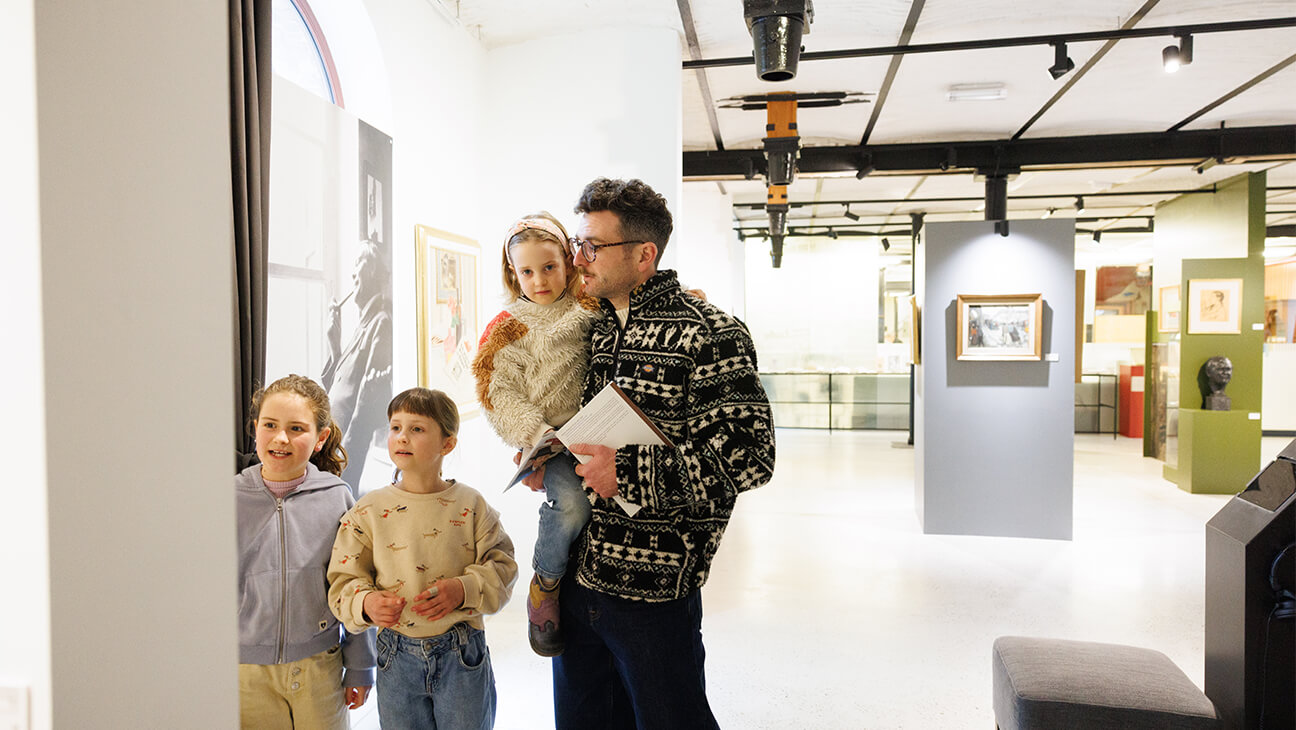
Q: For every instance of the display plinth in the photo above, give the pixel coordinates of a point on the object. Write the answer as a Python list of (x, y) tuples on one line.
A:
[(1249, 656), (1218, 450)]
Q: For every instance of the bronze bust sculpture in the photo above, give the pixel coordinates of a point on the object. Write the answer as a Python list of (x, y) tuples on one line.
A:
[(1214, 375)]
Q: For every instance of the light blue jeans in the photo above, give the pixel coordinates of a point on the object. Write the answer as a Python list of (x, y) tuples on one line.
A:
[(439, 683), (564, 512)]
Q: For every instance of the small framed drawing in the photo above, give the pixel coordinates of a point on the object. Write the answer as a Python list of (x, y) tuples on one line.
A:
[(1214, 306), (446, 288), (915, 331), (1168, 309), (1000, 327)]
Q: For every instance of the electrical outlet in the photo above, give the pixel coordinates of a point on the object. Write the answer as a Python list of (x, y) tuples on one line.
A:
[(14, 711)]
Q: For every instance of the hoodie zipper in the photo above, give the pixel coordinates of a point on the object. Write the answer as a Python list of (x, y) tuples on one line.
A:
[(283, 580)]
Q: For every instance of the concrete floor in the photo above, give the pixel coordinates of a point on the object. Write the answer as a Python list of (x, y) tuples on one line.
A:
[(828, 608)]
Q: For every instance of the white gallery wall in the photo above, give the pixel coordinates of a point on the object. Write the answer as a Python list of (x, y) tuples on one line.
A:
[(563, 110), (127, 396), (24, 647), (994, 441), (819, 310), (707, 252)]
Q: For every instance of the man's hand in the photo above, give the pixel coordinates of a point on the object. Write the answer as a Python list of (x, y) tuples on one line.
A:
[(599, 473), (383, 608)]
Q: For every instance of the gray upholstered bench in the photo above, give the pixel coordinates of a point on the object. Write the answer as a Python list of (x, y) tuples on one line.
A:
[(1055, 684)]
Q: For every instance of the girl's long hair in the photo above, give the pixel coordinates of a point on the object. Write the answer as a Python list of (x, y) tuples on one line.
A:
[(332, 457)]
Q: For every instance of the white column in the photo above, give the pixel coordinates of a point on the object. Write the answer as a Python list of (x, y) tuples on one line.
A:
[(707, 252), (135, 308)]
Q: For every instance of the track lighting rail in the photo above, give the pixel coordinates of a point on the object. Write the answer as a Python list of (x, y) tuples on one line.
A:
[(1034, 40)]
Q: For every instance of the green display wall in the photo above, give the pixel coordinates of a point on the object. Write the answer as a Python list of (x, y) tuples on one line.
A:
[(1219, 451)]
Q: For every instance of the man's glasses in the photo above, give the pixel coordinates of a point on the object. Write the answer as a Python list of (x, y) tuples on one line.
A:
[(589, 249)]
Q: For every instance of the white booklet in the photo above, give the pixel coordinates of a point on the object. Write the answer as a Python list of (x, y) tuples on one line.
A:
[(610, 419)]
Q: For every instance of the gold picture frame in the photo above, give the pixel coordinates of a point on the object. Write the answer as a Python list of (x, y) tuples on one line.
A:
[(1214, 306), (447, 284), (999, 327), (1168, 309)]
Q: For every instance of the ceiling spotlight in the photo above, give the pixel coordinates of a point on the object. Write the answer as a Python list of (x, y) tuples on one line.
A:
[(1097, 236), (996, 197), (1079, 204), (1172, 57), (832, 234), (886, 245), (1062, 64), (1048, 213), (1001, 227), (849, 214), (1207, 164)]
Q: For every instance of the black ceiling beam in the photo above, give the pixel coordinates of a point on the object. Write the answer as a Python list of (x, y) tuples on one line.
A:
[(906, 33), (1148, 148), (1033, 40)]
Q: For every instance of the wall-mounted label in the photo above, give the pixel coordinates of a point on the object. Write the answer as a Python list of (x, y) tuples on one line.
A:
[(1051, 356), (1253, 416), (1257, 326), (1136, 384)]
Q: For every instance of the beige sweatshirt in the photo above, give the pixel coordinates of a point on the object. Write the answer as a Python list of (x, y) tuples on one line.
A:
[(404, 542)]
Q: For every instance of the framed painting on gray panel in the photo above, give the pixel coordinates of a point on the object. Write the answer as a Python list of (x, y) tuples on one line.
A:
[(1003, 327)]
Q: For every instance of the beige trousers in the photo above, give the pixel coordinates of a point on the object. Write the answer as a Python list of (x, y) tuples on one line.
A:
[(305, 694)]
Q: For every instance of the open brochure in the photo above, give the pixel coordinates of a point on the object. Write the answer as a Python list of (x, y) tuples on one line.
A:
[(610, 419)]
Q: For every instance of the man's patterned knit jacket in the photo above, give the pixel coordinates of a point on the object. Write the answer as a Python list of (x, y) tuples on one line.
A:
[(691, 368)]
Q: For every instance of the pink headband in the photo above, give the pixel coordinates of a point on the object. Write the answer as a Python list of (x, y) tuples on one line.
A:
[(537, 224)]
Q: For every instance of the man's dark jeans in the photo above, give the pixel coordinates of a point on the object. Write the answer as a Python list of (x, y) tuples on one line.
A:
[(630, 664)]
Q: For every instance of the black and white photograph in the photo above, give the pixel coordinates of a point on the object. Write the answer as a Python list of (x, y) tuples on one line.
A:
[(358, 370)]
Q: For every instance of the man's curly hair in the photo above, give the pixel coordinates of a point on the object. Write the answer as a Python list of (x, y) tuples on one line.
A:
[(643, 212)]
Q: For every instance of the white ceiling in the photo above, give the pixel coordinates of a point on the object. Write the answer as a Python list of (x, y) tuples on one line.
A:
[(1124, 91)]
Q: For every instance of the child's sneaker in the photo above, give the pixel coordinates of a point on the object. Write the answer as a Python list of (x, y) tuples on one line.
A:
[(542, 620)]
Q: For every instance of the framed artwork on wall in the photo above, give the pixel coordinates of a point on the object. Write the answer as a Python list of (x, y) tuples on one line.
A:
[(1168, 309), (999, 327), (448, 326), (1214, 306), (915, 330)]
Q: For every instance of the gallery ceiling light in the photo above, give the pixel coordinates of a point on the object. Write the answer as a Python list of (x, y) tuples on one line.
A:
[(886, 245), (996, 196), (849, 214), (866, 166), (977, 92), (1172, 57), (1048, 213), (1062, 63), (1079, 204), (1097, 236)]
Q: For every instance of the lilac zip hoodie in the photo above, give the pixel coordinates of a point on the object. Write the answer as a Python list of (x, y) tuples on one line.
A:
[(284, 550)]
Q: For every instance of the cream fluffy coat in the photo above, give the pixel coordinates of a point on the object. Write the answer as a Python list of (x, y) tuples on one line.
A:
[(531, 367)]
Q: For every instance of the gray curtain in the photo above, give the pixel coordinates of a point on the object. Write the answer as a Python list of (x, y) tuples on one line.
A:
[(250, 161)]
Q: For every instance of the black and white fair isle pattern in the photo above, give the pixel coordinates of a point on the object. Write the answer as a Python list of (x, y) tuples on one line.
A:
[(692, 369)]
